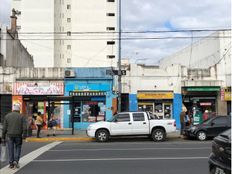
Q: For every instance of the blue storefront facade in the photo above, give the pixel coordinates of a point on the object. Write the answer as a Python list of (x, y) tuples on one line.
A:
[(92, 92), (172, 107)]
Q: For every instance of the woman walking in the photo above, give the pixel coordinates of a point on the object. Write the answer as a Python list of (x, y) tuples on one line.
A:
[(39, 123)]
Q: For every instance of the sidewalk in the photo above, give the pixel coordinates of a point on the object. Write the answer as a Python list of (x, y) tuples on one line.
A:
[(79, 136), (61, 135)]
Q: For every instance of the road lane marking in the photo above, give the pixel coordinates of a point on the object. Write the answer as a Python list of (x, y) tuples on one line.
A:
[(119, 159), (29, 158), (130, 149), (137, 143)]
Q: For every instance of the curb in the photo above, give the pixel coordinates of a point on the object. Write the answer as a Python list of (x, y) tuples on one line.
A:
[(80, 139)]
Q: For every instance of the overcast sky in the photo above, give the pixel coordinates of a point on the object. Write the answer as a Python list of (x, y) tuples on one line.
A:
[(147, 15)]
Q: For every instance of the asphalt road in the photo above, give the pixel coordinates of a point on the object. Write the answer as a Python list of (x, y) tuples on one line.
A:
[(137, 157)]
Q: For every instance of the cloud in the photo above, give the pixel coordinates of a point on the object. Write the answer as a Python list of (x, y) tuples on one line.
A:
[(150, 15)]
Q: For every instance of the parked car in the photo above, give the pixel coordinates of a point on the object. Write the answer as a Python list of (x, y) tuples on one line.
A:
[(132, 123), (209, 128), (220, 158)]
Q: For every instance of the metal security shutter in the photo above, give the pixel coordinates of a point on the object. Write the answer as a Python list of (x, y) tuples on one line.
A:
[(5, 105)]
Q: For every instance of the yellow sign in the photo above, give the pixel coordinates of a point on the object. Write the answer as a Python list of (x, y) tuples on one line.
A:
[(155, 95), (227, 96)]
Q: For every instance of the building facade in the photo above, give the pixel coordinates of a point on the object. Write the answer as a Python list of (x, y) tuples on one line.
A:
[(93, 98), (65, 33), (150, 88)]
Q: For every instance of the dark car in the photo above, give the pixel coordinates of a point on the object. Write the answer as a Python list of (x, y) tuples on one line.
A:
[(209, 128), (220, 158)]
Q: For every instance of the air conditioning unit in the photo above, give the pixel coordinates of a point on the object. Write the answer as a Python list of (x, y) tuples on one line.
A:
[(69, 73)]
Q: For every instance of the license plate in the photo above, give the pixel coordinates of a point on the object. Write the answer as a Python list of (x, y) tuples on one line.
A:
[(219, 171)]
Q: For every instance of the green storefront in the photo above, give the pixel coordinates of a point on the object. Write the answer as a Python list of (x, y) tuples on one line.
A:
[(201, 98)]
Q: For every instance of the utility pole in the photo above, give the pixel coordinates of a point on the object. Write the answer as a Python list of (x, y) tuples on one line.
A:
[(119, 59)]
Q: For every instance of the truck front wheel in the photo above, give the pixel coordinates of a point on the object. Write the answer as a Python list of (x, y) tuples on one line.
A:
[(158, 135), (102, 135)]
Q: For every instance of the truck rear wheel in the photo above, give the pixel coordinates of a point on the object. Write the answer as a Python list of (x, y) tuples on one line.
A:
[(102, 135), (158, 135)]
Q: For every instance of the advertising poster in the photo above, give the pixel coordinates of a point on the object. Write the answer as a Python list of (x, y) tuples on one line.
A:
[(17, 100)]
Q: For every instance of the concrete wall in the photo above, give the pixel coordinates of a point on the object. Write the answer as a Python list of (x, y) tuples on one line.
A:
[(141, 77), (202, 54), (8, 76), (38, 19), (17, 55)]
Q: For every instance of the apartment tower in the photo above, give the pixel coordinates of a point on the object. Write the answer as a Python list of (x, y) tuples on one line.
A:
[(69, 33)]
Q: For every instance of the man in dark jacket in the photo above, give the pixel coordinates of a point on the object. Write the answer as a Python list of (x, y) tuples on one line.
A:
[(14, 127)]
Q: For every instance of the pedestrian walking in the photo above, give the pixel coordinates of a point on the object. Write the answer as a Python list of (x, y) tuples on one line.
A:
[(14, 129), (205, 115), (52, 123), (39, 124), (182, 120)]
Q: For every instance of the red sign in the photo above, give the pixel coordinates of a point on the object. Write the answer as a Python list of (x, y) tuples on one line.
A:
[(38, 88), (206, 104)]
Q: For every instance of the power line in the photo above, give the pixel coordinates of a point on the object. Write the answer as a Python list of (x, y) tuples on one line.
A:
[(130, 38), (129, 32)]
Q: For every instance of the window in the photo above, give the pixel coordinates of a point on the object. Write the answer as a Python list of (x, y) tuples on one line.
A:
[(68, 6), (110, 14), (68, 19), (110, 42), (110, 56), (68, 60), (110, 28), (220, 121), (138, 117), (69, 47), (123, 117), (68, 33)]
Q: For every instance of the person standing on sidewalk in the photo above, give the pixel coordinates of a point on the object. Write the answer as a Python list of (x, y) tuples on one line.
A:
[(52, 123), (39, 124), (182, 120), (15, 129)]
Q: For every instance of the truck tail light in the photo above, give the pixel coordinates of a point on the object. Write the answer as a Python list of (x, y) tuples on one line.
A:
[(174, 123)]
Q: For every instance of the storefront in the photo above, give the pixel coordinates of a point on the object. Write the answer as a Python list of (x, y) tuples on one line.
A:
[(32, 96), (204, 98), (93, 97), (159, 103), (226, 96)]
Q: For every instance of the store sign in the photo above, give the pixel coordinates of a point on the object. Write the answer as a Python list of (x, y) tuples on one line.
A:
[(155, 95), (203, 89), (206, 104), (227, 96), (87, 93), (38, 88)]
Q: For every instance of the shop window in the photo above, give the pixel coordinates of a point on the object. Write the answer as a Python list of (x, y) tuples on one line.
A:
[(123, 118), (138, 117)]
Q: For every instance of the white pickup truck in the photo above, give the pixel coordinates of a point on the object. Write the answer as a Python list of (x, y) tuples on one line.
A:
[(132, 123)]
